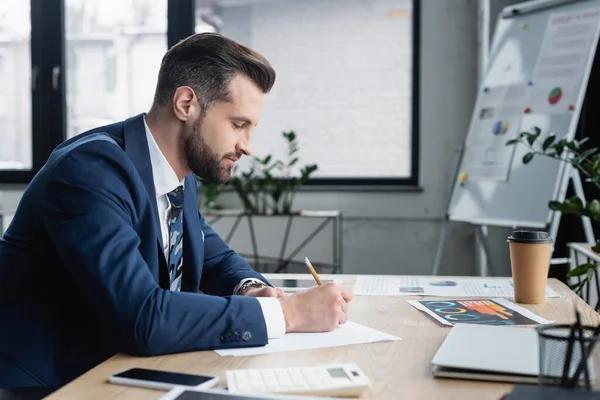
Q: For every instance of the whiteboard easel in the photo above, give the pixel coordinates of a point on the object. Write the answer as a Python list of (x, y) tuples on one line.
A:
[(484, 204)]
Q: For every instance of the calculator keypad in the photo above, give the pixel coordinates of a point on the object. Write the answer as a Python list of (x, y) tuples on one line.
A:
[(276, 379), (288, 380)]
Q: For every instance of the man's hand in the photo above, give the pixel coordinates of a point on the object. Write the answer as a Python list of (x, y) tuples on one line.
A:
[(319, 309), (265, 291)]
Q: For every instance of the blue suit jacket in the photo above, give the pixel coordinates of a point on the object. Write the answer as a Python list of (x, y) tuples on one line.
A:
[(83, 275)]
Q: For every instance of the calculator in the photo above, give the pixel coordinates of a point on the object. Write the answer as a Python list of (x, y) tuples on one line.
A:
[(342, 380)]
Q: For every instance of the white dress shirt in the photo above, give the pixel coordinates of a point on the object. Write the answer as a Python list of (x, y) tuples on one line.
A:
[(165, 181)]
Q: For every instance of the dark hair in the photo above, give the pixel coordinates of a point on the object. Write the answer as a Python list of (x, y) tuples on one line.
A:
[(207, 62)]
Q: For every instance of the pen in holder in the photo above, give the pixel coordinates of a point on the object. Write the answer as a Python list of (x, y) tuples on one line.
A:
[(569, 354)]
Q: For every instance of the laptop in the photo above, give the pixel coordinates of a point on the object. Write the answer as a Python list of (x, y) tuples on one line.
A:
[(491, 353)]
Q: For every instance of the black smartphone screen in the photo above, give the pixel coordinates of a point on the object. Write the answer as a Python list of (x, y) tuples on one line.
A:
[(296, 283), (175, 378)]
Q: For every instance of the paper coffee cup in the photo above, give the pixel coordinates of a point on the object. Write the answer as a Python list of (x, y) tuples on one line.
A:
[(529, 261)]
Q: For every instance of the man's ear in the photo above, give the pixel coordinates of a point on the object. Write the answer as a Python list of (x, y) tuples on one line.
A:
[(186, 106)]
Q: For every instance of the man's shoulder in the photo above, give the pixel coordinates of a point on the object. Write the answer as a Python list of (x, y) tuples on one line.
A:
[(112, 132), (105, 139)]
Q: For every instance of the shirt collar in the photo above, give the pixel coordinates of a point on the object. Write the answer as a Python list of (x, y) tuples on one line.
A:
[(165, 179)]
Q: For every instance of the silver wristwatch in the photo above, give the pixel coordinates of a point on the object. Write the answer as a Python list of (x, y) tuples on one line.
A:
[(252, 283)]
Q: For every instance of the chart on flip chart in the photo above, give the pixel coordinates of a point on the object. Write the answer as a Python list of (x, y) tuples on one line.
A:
[(539, 64)]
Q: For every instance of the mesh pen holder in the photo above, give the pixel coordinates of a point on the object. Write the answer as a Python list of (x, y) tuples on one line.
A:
[(569, 355)]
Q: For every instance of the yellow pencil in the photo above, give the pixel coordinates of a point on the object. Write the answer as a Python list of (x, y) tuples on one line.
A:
[(312, 271)]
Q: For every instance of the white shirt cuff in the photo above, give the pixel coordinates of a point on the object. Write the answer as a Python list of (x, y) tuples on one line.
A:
[(271, 308)]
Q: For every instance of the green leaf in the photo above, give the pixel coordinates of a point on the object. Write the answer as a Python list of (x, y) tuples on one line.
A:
[(290, 136), (574, 205), (590, 274), (513, 141), (527, 157), (559, 146), (536, 130), (549, 140), (589, 152), (594, 208), (596, 247), (532, 138), (581, 270), (571, 146)]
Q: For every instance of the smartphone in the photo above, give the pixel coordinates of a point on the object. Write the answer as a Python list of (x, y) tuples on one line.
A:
[(166, 380), (296, 284)]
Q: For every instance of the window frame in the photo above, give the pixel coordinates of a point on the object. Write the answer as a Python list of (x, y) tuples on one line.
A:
[(47, 104), (48, 96)]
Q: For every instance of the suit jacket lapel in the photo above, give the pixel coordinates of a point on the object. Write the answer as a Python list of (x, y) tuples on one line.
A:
[(136, 148), (193, 240)]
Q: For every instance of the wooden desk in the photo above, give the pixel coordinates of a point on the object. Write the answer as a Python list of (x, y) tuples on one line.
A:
[(398, 370)]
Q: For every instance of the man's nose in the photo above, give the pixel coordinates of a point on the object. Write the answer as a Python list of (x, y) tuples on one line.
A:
[(244, 147)]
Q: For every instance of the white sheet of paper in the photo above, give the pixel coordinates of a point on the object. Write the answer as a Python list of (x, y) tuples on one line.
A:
[(346, 334), (433, 286)]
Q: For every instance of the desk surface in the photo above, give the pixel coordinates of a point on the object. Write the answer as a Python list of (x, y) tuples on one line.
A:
[(398, 370)]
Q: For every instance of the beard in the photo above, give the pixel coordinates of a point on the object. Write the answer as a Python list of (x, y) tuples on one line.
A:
[(200, 158)]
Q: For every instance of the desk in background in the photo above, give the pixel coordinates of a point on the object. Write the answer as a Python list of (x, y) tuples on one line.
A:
[(398, 370)]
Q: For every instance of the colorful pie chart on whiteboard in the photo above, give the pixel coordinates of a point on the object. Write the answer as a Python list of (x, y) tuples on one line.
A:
[(554, 95), (500, 127)]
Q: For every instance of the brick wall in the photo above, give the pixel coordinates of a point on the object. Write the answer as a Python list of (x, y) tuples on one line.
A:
[(343, 81)]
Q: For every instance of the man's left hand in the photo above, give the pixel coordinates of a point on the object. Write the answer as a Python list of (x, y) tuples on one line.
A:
[(266, 291)]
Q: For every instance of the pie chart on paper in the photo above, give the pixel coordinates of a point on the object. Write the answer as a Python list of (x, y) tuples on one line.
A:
[(442, 283), (500, 127), (554, 95)]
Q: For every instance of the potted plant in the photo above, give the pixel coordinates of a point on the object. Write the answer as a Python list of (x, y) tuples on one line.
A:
[(587, 162), (268, 231)]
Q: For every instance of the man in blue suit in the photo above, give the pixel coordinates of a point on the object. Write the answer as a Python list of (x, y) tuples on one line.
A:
[(107, 251)]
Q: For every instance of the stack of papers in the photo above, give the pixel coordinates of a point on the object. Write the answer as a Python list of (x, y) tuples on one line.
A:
[(455, 287), (347, 334)]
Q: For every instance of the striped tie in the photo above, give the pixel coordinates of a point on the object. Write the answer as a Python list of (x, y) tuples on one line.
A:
[(176, 238)]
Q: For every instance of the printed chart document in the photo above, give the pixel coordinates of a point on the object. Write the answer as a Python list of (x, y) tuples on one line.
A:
[(498, 119), (455, 287), (560, 66), (346, 334), (478, 311)]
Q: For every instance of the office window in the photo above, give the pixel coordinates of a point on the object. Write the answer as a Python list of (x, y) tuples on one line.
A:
[(70, 65), (346, 81), (15, 91), (113, 54)]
